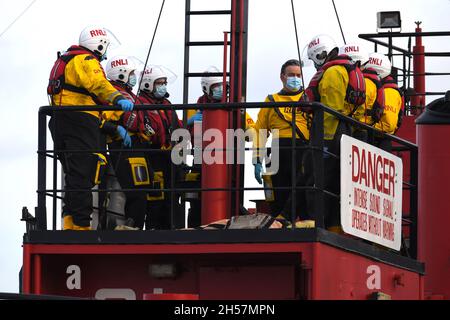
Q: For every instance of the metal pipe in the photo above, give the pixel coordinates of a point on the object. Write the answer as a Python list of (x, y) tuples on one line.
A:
[(216, 205), (419, 67)]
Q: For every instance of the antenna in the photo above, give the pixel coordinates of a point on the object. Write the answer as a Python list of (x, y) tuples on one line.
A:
[(339, 22), (150, 48), (296, 41)]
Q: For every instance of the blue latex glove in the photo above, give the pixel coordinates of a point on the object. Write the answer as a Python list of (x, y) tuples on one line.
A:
[(125, 104), (258, 172), (196, 117), (125, 136)]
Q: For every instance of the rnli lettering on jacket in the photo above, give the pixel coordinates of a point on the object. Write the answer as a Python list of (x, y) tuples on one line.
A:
[(394, 104)]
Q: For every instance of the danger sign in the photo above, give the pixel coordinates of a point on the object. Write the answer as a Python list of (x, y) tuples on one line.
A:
[(371, 193)]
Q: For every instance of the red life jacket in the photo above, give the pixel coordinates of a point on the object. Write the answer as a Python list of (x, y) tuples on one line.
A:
[(167, 119), (204, 99), (56, 80), (378, 106), (136, 121), (356, 87)]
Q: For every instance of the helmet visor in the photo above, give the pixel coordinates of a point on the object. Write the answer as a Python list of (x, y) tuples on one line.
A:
[(114, 43), (164, 71), (306, 62)]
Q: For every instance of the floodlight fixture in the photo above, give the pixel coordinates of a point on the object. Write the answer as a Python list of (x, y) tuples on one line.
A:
[(389, 20)]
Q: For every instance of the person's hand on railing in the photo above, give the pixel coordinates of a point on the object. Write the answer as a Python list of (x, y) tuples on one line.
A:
[(196, 117), (125, 136), (125, 104), (258, 172)]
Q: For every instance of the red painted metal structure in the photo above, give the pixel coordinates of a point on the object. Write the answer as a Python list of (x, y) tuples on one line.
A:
[(434, 159), (419, 70), (304, 265), (244, 264), (219, 204)]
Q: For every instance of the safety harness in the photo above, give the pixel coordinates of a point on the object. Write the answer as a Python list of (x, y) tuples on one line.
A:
[(57, 82), (138, 121), (356, 87), (168, 118), (282, 117), (378, 107)]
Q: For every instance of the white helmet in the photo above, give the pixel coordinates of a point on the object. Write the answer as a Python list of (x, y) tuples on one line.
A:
[(206, 82), (355, 52), (119, 68), (380, 63), (319, 48), (96, 39), (150, 75)]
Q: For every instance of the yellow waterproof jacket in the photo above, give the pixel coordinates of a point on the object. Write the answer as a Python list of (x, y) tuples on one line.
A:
[(269, 119), (332, 90), (363, 114), (249, 123), (85, 71), (393, 105)]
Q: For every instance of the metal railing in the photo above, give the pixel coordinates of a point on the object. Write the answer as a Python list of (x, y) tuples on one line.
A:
[(404, 73), (315, 145)]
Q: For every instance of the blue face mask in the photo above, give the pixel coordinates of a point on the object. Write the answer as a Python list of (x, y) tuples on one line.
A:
[(160, 91), (294, 83), (217, 93), (132, 80)]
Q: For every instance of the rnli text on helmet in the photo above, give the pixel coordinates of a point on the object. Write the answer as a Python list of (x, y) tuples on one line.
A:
[(315, 42), (97, 33), (119, 62), (351, 49), (375, 61)]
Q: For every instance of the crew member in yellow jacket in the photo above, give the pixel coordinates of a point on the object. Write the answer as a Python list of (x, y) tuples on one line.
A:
[(330, 86), (78, 79), (370, 112), (277, 121), (391, 118)]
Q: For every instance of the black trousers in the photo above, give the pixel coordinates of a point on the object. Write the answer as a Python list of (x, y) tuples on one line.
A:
[(332, 172), (282, 203), (77, 131), (160, 216), (136, 200), (195, 211)]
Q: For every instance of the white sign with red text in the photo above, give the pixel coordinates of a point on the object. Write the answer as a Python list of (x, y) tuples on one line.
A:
[(371, 193)]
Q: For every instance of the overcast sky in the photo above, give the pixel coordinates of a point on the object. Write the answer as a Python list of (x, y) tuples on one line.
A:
[(29, 46)]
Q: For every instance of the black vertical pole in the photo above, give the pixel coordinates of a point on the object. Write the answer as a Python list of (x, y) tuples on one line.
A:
[(55, 186), (390, 48), (319, 183), (173, 220), (187, 29), (41, 211), (293, 167), (413, 198)]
